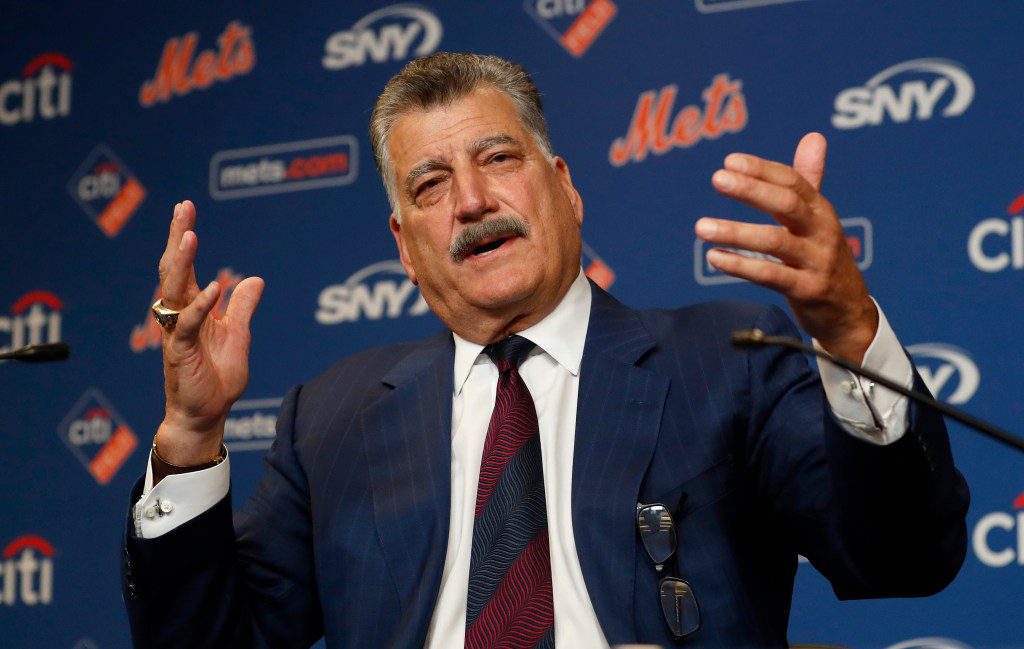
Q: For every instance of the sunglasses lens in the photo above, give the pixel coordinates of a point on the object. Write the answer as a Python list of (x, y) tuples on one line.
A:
[(657, 531), (680, 606)]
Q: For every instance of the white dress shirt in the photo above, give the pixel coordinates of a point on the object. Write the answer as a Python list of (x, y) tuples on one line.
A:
[(551, 372)]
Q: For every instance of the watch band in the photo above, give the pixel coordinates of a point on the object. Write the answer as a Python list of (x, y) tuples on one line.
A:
[(162, 468)]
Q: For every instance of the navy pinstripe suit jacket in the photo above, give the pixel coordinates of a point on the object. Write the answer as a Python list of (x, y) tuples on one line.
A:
[(347, 532)]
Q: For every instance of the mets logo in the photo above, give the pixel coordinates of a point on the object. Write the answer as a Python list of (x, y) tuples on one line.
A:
[(106, 190), (575, 24), (97, 436), (146, 335)]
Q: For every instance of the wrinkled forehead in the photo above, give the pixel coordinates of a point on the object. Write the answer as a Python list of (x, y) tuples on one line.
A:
[(444, 132)]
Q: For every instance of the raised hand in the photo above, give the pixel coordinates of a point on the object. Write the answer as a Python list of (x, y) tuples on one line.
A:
[(206, 358), (817, 274)]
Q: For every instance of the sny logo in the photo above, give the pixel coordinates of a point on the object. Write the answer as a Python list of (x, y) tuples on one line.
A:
[(147, 334), (1002, 228), (45, 87), (937, 363), (385, 35), (286, 167), (106, 190), (869, 104), (27, 572), (725, 111), (574, 24), (35, 318), (180, 70), (858, 237), (97, 436), (374, 292), (1001, 551)]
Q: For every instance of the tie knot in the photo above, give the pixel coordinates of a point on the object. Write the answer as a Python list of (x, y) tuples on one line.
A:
[(509, 353)]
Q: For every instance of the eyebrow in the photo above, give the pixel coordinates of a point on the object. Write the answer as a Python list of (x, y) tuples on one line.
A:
[(474, 148)]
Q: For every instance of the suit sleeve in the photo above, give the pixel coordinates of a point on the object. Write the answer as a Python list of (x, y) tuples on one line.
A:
[(212, 582), (877, 521)]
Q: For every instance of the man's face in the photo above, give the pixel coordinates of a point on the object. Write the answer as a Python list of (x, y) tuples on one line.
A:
[(474, 163)]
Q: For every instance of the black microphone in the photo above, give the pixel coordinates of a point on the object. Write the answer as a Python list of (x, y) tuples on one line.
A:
[(38, 353), (757, 338)]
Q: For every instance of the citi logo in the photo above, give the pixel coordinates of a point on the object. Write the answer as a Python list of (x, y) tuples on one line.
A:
[(43, 90), (106, 190), (97, 436), (916, 98), (181, 70), (380, 290), (27, 572), (384, 35), (938, 364), (996, 244), (147, 334), (35, 318), (654, 130), (574, 24), (998, 537)]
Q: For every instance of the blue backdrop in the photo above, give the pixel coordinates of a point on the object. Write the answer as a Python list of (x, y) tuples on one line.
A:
[(112, 112)]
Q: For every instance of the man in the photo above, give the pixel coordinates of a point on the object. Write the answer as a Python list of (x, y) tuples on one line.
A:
[(484, 487)]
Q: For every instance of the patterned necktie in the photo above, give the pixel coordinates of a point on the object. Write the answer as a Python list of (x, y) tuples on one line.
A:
[(509, 603)]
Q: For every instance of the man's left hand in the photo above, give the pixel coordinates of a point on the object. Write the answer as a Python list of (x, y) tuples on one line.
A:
[(816, 272)]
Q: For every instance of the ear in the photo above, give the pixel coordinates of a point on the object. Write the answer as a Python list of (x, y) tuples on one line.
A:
[(562, 169), (403, 252)]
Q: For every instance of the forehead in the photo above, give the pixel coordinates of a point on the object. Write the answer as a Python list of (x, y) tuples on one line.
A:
[(443, 131)]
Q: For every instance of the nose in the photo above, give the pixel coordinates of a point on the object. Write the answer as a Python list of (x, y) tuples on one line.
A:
[(472, 195)]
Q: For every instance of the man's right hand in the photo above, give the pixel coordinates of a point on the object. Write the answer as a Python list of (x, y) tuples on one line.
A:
[(206, 358)]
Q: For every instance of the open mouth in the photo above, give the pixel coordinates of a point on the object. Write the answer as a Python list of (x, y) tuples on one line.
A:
[(489, 246)]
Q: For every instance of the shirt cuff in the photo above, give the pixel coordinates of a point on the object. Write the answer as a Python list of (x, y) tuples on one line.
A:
[(179, 498), (858, 404)]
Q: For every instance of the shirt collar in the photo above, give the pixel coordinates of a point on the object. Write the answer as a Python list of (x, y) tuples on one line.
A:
[(561, 334)]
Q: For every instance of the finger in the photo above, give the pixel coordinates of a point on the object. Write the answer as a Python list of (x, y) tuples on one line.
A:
[(782, 203), (180, 223), (809, 160), (765, 239), (243, 302), (174, 287), (772, 172), (191, 318), (759, 271)]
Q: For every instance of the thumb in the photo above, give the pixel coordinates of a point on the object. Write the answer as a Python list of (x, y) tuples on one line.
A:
[(243, 301), (809, 160)]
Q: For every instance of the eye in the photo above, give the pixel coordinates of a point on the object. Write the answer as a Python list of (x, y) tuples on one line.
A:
[(500, 157), (427, 185)]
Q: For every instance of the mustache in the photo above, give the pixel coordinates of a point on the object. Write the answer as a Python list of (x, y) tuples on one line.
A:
[(473, 233)]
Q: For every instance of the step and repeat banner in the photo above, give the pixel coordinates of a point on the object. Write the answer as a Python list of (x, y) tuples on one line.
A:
[(110, 113)]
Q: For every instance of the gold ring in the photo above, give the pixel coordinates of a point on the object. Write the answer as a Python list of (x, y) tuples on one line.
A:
[(166, 317)]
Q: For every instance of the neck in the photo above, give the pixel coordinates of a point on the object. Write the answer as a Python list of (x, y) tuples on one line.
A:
[(485, 326)]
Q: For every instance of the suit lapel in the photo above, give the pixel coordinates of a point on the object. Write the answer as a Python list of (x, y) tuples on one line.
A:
[(617, 424), (407, 437)]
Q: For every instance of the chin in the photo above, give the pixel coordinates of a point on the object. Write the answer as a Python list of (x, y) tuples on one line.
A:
[(504, 289)]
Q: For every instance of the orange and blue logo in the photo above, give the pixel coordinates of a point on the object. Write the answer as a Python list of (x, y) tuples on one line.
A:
[(106, 190), (574, 24), (97, 436)]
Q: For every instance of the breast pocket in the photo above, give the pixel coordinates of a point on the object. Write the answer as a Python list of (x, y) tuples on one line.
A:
[(708, 486)]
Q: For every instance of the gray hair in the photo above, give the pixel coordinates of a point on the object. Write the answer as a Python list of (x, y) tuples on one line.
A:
[(439, 80)]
